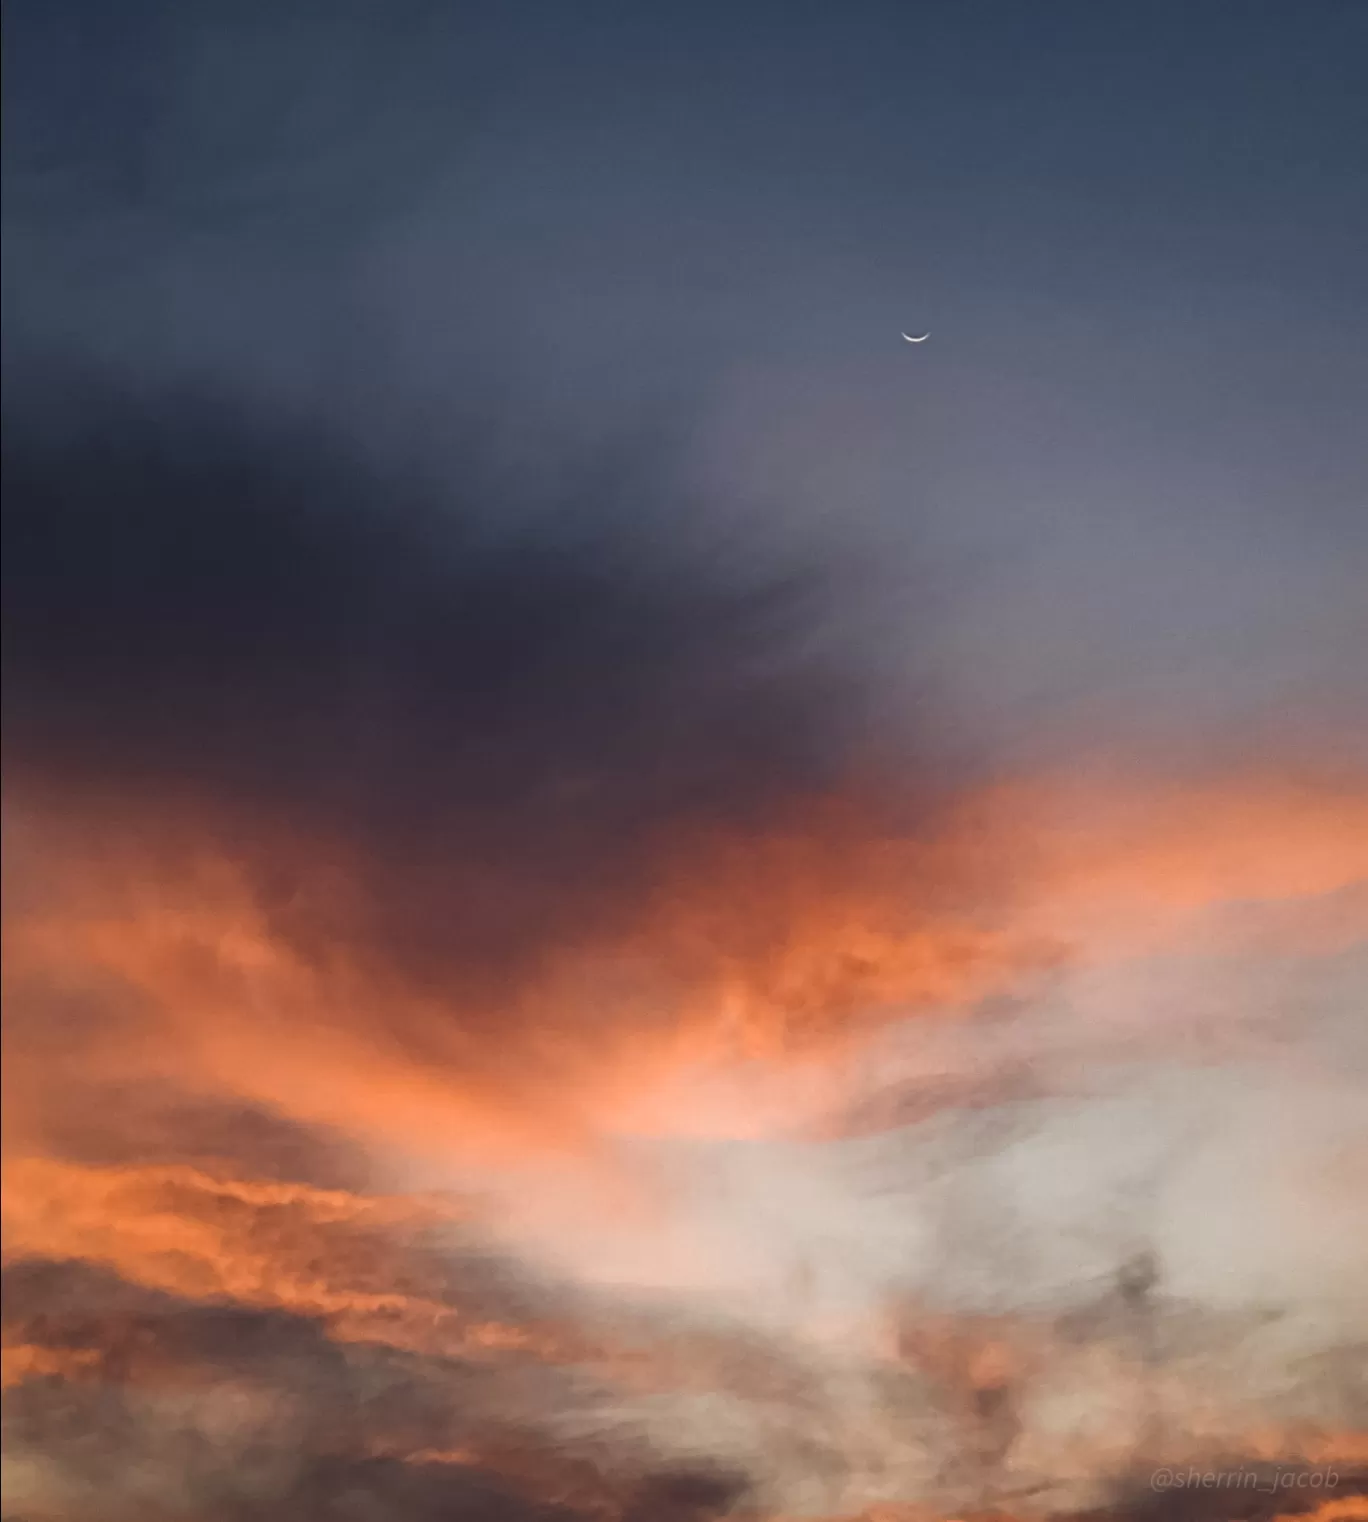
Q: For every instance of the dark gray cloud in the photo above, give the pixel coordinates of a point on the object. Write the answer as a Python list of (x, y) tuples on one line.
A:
[(155, 1123), (243, 1413), (243, 618)]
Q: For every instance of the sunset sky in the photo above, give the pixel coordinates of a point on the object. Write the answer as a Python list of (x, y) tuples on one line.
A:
[(626, 898)]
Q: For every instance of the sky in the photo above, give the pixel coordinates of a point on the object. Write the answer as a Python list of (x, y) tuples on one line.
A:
[(1135, 237), (627, 897)]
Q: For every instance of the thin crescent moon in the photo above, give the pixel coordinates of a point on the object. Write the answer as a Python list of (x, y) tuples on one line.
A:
[(920, 340)]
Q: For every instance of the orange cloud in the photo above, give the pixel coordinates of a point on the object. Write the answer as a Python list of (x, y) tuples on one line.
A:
[(777, 949), (1142, 863)]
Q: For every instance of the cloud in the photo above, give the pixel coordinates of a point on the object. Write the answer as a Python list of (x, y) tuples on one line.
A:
[(234, 618), (492, 1024)]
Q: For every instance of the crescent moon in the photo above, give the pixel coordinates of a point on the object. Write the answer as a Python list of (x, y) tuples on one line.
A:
[(920, 340)]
